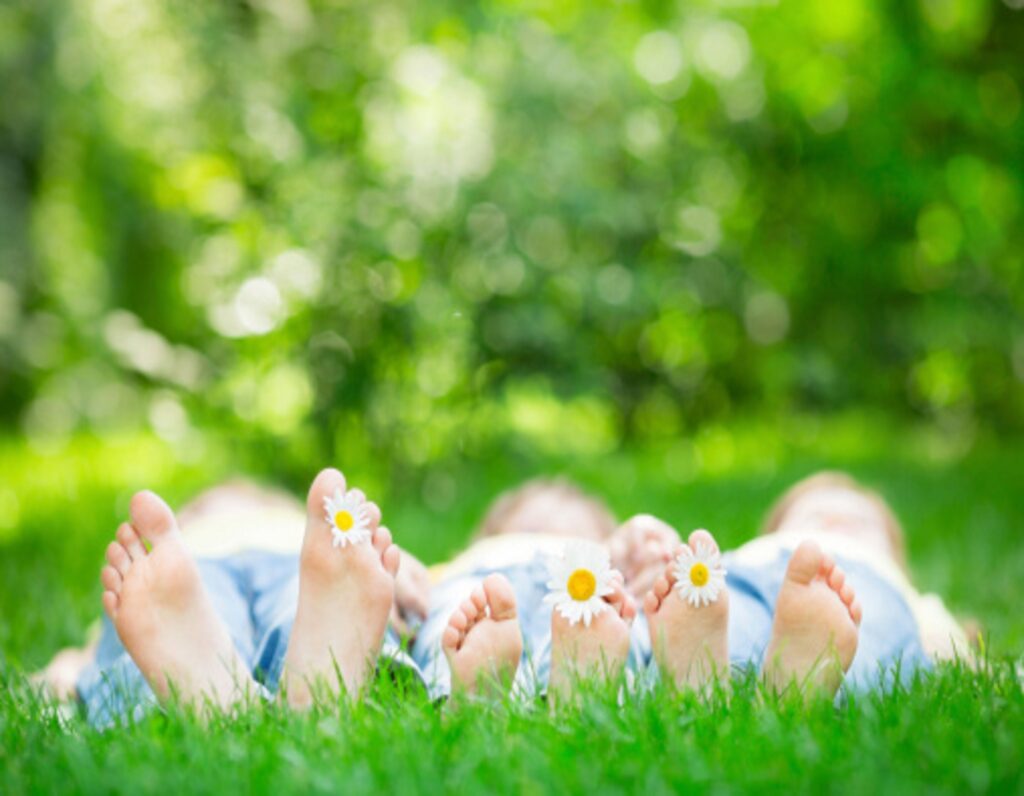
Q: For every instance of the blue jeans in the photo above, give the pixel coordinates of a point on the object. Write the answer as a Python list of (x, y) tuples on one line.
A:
[(255, 593), (529, 582), (889, 643)]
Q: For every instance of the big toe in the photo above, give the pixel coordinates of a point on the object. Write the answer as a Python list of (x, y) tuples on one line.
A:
[(151, 516), (501, 599), (704, 538), (805, 563), (323, 486)]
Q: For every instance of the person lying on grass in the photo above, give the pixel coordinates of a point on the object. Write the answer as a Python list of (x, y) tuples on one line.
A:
[(232, 599)]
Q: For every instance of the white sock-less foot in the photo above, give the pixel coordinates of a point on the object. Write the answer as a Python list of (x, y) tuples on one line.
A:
[(690, 643), (483, 642), (817, 616), (594, 652), (345, 596), (164, 616)]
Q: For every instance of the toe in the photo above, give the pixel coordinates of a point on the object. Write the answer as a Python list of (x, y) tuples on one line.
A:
[(381, 539), (622, 603), (856, 612), (501, 599), (836, 579), (130, 541), (373, 513), (450, 638), (479, 599), (458, 621), (470, 610), (110, 603), (111, 579), (391, 559), (152, 518), (651, 603), (357, 494), (702, 537), (662, 587), (846, 594), (118, 558), (323, 486), (628, 611), (805, 563)]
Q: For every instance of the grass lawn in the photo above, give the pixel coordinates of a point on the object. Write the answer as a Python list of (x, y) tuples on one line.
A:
[(951, 730)]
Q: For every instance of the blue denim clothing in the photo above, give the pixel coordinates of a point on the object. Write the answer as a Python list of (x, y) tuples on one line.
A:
[(889, 643), (529, 582), (255, 593)]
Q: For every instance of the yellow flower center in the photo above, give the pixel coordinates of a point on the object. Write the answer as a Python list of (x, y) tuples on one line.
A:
[(343, 520), (582, 585), (699, 574)]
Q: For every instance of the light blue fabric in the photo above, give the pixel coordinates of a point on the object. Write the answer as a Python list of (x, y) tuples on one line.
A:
[(889, 643), (529, 582), (255, 593)]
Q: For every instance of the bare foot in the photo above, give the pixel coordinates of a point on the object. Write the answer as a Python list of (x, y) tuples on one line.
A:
[(690, 642), (814, 636), (60, 677), (345, 596), (163, 615), (482, 641), (597, 651), (640, 549)]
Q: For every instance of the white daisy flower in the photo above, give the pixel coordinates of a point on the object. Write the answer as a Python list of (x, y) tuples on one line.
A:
[(579, 579), (700, 577), (348, 518)]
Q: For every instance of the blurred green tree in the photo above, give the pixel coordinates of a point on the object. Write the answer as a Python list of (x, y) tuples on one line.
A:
[(412, 229)]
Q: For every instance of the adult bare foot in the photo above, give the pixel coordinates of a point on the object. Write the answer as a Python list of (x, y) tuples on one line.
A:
[(690, 639), (163, 615), (591, 652), (814, 636), (483, 642), (345, 595)]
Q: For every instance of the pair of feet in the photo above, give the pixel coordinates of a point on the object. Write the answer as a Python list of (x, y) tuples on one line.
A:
[(155, 597), (814, 633)]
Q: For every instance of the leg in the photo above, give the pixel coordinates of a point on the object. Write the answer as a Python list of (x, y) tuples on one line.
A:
[(345, 596), (162, 612)]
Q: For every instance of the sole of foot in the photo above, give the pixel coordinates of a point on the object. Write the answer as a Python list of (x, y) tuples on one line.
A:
[(163, 615), (816, 626), (482, 641), (345, 595), (690, 642), (594, 653)]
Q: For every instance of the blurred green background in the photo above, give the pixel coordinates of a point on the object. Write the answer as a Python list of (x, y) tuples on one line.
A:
[(447, 245), (416, 229)]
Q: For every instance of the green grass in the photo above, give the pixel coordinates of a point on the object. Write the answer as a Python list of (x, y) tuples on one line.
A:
[(954, 730)]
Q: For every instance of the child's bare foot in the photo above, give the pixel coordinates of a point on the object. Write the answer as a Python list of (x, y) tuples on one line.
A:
[(596, 651), (482, 641), (814, 636), (163, 614), (345, 596), (690, 642)]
